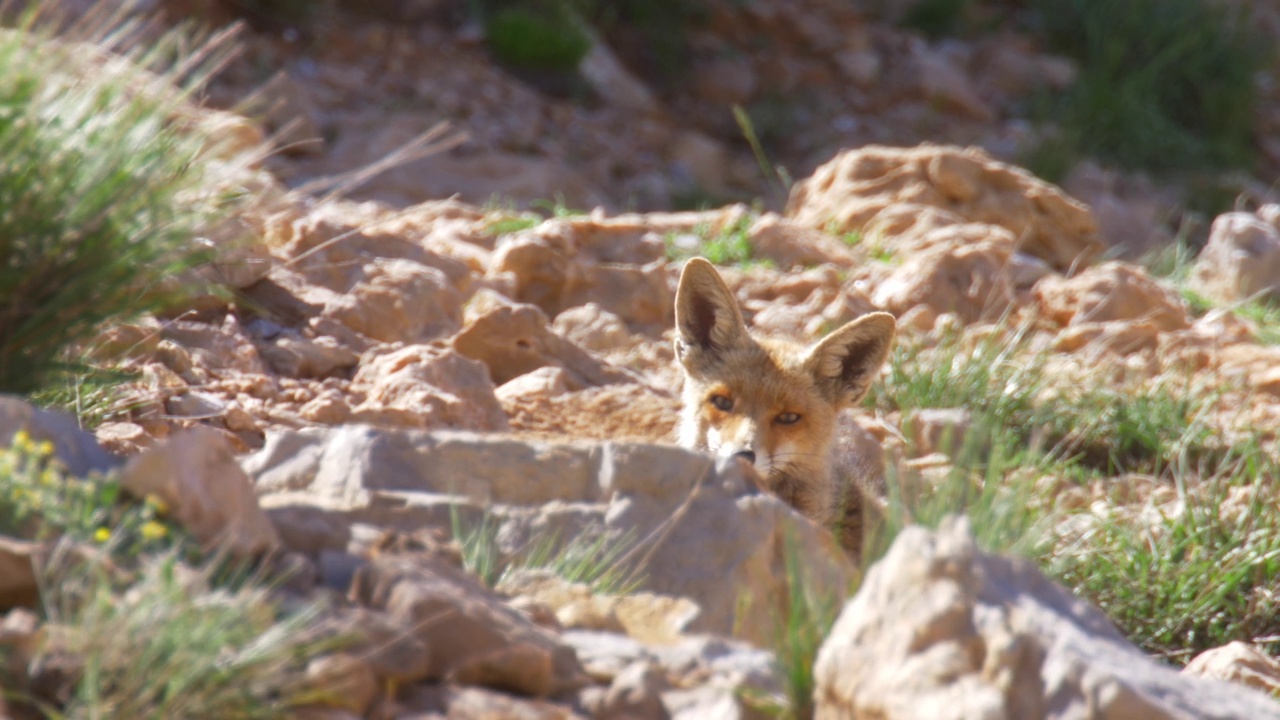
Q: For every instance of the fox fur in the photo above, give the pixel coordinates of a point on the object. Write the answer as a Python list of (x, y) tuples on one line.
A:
[(775, 404)]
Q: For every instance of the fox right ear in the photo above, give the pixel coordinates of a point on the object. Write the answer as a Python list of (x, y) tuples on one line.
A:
[(707, 315)]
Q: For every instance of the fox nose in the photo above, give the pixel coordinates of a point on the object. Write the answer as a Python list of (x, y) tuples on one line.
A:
[(748, 455)]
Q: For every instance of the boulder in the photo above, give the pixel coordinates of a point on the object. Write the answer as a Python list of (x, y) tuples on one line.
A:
[(425, 386), (197, 477), (686, 527), (1241, 261), (940, 629), (851, 189), (471, 636), (971, 281), (512, 340), (1112, 291)]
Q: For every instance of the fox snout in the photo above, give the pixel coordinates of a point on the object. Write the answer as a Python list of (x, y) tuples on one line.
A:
[(738, 439)]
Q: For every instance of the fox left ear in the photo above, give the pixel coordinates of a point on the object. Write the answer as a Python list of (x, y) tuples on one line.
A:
[(847, 361)]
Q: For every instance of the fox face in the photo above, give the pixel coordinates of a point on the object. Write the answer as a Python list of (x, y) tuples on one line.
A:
[(771, 403)]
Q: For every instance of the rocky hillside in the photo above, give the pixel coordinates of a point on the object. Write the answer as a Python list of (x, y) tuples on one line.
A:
[(403, 452)]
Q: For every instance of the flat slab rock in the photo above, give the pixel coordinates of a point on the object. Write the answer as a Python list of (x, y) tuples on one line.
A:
[(941, 630)]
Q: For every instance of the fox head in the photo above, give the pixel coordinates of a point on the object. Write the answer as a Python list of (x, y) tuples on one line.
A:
[(772, 403)]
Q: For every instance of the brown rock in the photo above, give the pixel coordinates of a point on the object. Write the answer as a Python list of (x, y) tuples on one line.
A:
[(515, 339), (1112, 291), (846, 193), (347, 682), (19, 586), (296, 356), (1118, 337), (789, 244), (399, 301), (970, 281), (426, 386), (195, 474), (471, 636)]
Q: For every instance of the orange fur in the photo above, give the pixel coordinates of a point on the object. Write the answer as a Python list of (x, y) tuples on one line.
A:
[(774, 403)]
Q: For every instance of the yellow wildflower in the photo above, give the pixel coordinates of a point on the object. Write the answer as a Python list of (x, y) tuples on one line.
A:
[(22, 439), (152, 530), (102, 534), (44, 448), (157, 503)]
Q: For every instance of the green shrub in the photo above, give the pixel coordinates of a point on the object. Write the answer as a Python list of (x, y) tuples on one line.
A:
[(539, 36), (102, 192), (171, 644), (38, 500), (1164, 84)]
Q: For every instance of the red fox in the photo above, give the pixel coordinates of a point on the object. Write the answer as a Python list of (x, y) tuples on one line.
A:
[(772, 403)]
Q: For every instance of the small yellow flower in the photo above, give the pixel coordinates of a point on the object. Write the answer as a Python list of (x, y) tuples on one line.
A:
[(157, 504), (22, 439), (102, 534), (152, 530), (44, 448)]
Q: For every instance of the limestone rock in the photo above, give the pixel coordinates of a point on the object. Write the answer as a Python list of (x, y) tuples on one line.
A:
[(195, 474), (1238, 662), (788, 244), (512, 340), (1241, 259), (426, 386), (847, 192), (970, 281), (704, 533), (471, 637), (1112, 291), (399, 300), (943, 630)]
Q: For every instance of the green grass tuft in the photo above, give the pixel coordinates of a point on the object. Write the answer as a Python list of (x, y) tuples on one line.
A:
[(730, 246), (103, 194), (170, 644)]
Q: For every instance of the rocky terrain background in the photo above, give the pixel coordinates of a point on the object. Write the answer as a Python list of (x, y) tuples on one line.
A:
[(429, 410)]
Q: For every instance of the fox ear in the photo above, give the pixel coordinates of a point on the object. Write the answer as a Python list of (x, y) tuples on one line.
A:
[(707, 315), (846, 361)]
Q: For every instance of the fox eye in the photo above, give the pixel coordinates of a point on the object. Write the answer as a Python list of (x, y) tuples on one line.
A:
[(722, 403), (789, 418)]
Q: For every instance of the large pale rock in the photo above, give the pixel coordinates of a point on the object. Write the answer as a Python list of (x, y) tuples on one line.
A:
[(943, 630), (512, 340), (1110, 292), (470, 635), (1241, 260), (76, 449), (788, 244), (553, 270), (847, 192), (399, 301), (426, 386), (971, 281), (691, 529), (1238, 662), (195, 474)]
